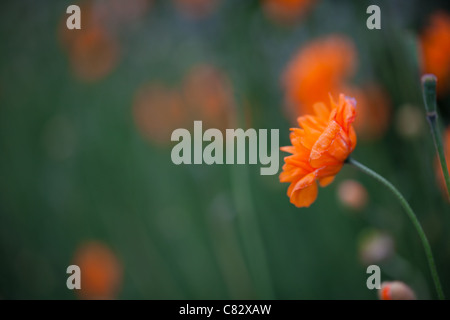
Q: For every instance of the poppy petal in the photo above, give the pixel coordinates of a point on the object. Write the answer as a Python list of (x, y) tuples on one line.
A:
[(304, 197)]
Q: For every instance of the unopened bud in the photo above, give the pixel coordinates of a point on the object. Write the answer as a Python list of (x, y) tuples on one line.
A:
[(396, 290)]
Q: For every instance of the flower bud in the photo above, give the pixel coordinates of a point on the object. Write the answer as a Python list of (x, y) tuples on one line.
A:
[(396, 290)]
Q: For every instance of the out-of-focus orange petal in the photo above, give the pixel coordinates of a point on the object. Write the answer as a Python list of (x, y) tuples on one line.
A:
[(101, 271), (319, 68), (374, 111), (321, 110), (286, 12), (93, 51), (208, 94), (435, 47), (157, 111)]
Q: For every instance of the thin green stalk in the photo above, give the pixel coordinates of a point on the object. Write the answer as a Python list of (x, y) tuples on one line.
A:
[(429, 98), (413, 218), (248, 222)]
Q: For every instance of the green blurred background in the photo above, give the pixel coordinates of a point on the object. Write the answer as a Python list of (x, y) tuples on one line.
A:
[(77, 168)]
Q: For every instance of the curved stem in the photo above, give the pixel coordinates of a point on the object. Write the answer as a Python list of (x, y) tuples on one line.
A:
[(413, 218)]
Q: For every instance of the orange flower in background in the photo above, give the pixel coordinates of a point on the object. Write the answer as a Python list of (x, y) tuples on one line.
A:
[(208, 96), (93, 51), (93, 55), (319, 148), (374, 111), (157, 111), (325, 67), (318, 69), (435, 44), (205, 94), (286, 11), (101, 272)]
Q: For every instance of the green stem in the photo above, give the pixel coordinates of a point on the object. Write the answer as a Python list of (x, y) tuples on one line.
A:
[(429, 98), (413, 218)]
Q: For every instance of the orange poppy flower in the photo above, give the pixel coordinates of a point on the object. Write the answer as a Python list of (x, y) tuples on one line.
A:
[(435, 45), (319, 148), (318, 69)]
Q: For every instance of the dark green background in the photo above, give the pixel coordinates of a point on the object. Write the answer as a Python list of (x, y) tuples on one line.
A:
[(201, 232)]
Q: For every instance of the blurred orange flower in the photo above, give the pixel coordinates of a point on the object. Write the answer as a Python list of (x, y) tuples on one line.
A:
[(101, 272), (93, 52), (205, 94), (209, 97), (435, 44), (319, 148), (286, 11), (157, 111), (318, 69), (374, 111)]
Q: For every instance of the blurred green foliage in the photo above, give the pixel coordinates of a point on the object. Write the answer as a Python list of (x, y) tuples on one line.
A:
[(74, 167)]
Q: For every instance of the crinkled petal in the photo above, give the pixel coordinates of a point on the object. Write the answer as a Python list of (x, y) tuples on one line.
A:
[(304, 197), (306, 181)]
